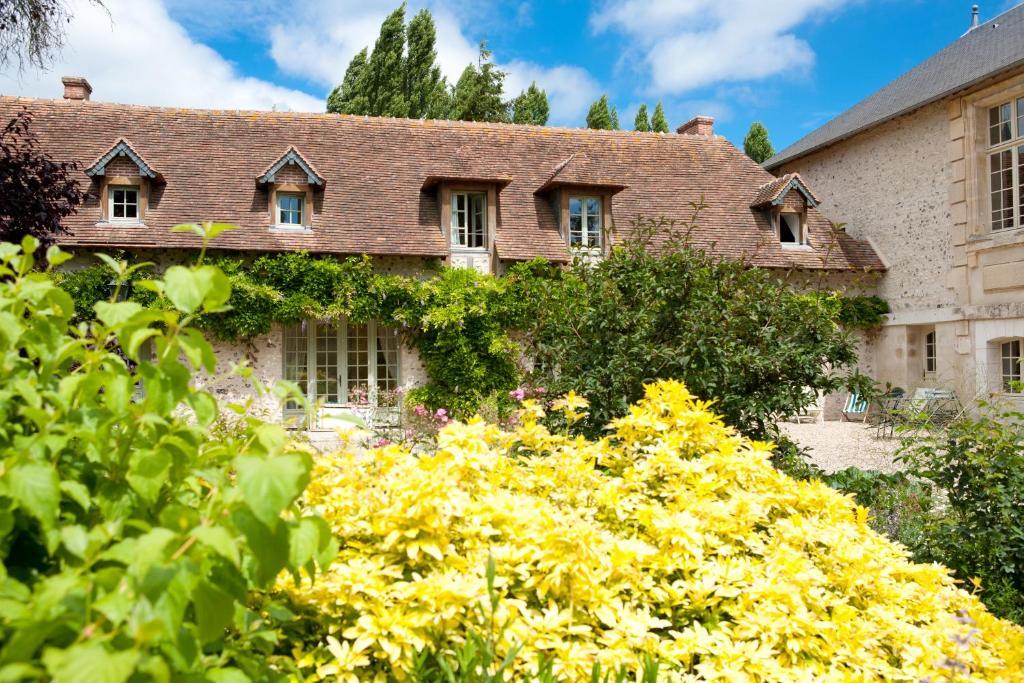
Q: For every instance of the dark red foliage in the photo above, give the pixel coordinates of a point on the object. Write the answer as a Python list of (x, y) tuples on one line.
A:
[(36, 192)]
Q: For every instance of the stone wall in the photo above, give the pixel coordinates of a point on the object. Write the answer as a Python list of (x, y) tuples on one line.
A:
[(890, 185)]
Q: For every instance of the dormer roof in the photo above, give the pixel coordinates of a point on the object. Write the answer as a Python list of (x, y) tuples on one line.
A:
[(291, 156), (121, 148), (774, 191), (579, 170)]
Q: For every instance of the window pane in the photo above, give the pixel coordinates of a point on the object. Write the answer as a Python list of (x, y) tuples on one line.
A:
[(118, 196), (357, 365), (130, 211), (387, 364), (789, 228), (327, 363), (1001, 191), (1020, 117), (575, 229), (296, 368), (118, 210), (575, 206), (999, 119), (478, 221)]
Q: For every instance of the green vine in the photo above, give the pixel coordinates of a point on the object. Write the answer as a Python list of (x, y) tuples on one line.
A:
[(459, 321), (862, 312)]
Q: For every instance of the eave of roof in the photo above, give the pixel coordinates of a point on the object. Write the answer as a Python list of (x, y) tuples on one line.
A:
[(909, 92)]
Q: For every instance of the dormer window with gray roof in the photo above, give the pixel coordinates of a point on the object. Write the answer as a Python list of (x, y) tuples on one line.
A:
[(290, 182), (125, 180)]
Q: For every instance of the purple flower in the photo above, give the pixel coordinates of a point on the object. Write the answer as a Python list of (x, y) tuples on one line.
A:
[(517, 394), (420, 410), (381, 442)]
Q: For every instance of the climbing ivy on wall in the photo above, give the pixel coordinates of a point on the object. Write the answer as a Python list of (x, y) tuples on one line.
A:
[(459, 321)]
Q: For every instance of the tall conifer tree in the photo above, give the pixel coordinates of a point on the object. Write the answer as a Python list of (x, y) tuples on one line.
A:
[(426, 89), (659, 124), (641, 123), (599, 117), (531, 106)]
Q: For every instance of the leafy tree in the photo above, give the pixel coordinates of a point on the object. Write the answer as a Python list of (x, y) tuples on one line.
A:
[(350, 96), (477, 95), (31, 31), (658, 309), (531, 106), (385, 72), (38, 193), (756, 144), (641, 123), (659, 124), (600, 117), (426, 88), (614, 115), (135, 545)]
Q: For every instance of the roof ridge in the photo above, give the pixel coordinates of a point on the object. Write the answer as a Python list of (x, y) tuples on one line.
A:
[(365, 117)]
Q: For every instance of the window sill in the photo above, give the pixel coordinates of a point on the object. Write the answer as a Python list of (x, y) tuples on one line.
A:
[(120, 224), (294, 229), (796, 247)]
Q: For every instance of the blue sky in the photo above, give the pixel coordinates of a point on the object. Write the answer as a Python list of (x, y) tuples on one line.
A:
[(790, 63)]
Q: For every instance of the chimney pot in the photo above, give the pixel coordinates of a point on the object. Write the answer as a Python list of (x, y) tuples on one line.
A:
[(975, 19), (698, 125), (76, 88)]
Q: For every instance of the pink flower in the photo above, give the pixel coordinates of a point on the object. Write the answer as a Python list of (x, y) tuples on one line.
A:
[(517, 394), (381, 442), (540, 391), (420, 411)]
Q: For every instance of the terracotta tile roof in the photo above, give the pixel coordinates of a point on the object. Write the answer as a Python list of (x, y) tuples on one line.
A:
[(580, 170), (773, 191), (374, 169)]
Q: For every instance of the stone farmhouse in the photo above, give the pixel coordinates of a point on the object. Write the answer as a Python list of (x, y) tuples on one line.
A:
[(407, 192), (930, 171)]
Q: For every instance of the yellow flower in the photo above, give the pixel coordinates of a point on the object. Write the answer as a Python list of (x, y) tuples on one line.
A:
[(672, 538)]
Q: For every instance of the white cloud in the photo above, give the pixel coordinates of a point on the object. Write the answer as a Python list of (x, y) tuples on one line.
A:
[(138, 54), (570, 89), (689, 44)]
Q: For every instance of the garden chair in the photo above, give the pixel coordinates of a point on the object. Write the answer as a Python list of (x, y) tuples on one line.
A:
[(856, 408)]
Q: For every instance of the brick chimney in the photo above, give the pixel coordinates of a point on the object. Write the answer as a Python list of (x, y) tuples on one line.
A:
[(76, 88), (698, 125)]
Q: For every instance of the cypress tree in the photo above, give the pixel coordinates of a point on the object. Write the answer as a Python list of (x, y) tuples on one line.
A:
[(641, 122), (531, 106), (477, 95), (426, 89), (385, 73), (350, 96), (599, 117), (659, 124), (756, 144), (614, 119)]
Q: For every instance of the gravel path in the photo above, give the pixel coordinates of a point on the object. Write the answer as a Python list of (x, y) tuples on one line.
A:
[(837, 445)]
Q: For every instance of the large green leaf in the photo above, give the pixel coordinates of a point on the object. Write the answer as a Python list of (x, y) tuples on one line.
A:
[(270, 484), (214, 609), (192, 289), (36, 487), (90, 662)]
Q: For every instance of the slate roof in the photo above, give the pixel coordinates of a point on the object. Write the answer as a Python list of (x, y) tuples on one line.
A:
[(375, 169), (993, 47)]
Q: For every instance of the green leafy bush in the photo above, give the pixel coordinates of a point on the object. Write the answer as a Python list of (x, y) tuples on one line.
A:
[(132, 545), (977, 462), (901, 507), (657, 308), (862, 312)]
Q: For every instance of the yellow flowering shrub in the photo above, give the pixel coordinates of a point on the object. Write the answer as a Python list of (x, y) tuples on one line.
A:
[(671, 537)]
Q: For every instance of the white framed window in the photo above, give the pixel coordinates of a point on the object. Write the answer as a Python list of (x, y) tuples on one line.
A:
[(339, 363), (290, 208), (930, 354), (791, 228), (1010, 370), (585, 222), (469, 220), (1006, 165), (123, 203)]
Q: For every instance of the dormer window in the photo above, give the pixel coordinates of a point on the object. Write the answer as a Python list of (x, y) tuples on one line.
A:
[(290, 183), (124, 203), (791, 228), (290, 208), (125, 182), (585, 222), (469, 220)]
